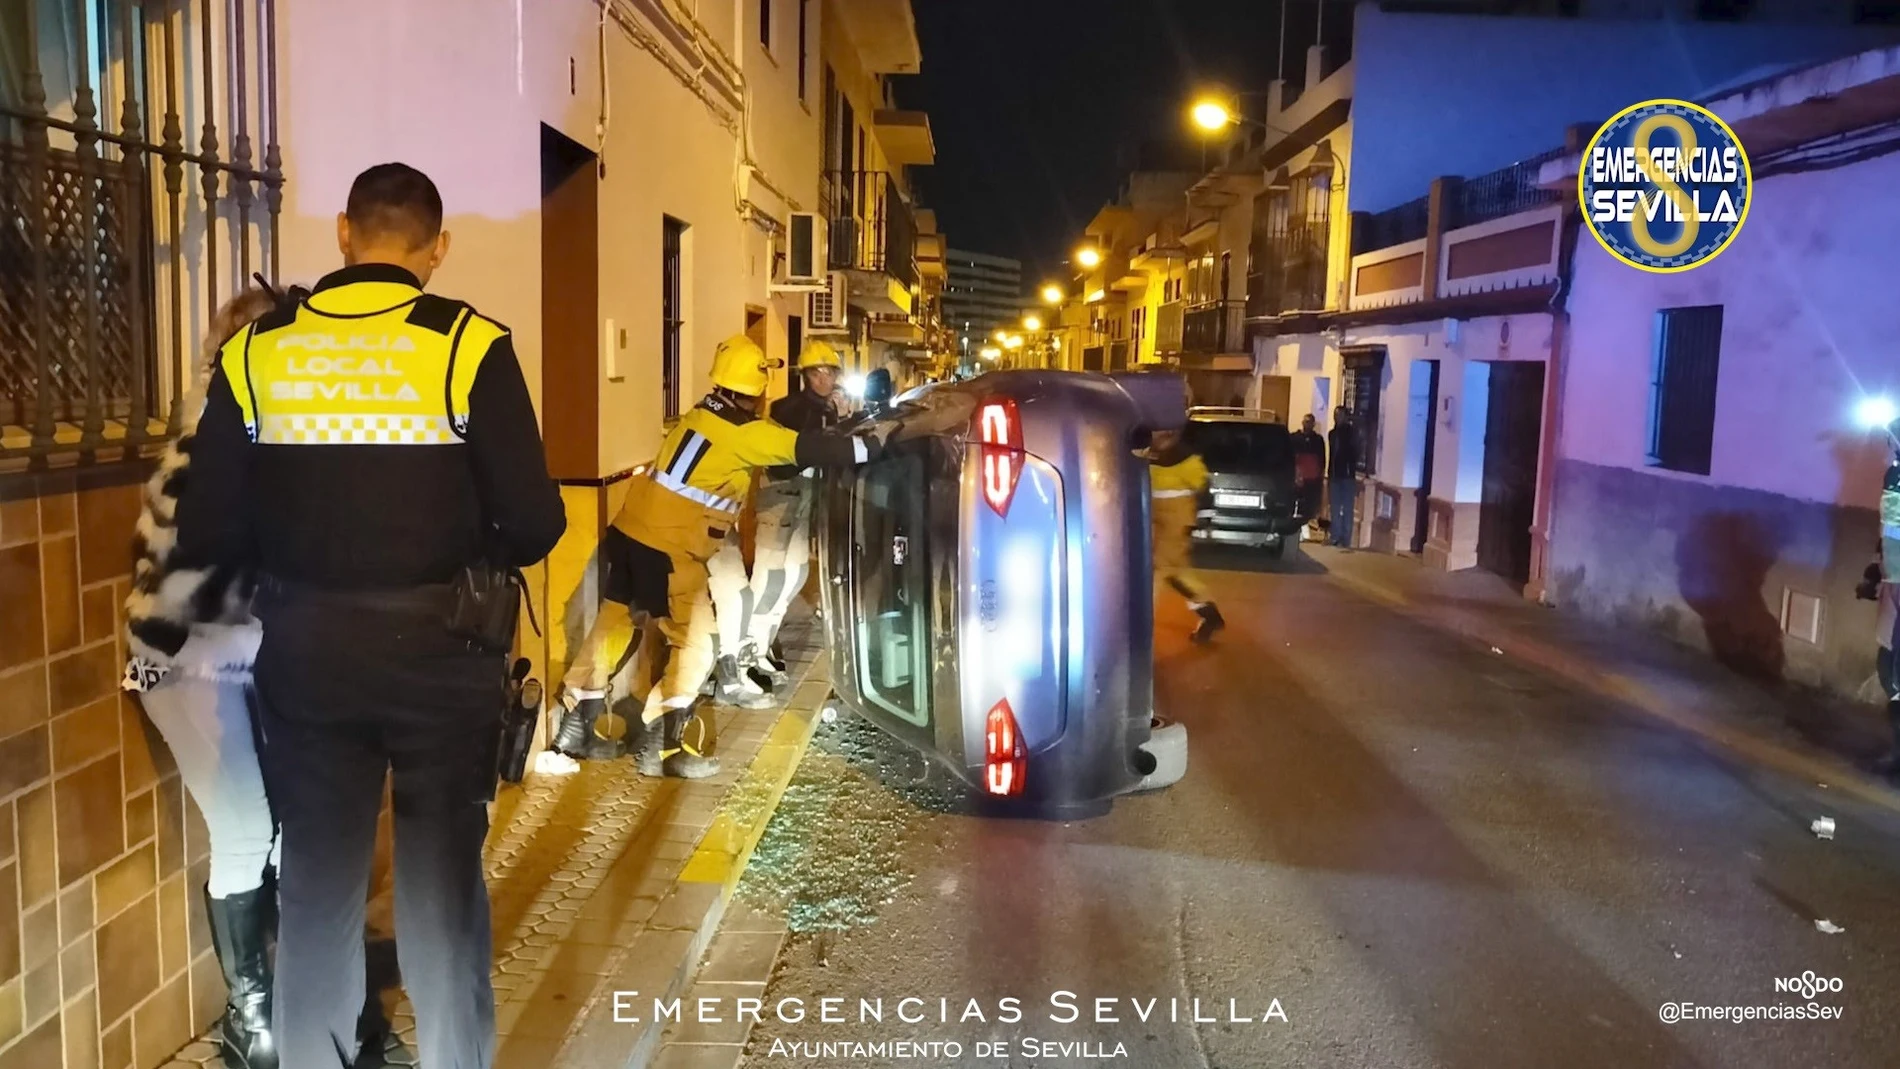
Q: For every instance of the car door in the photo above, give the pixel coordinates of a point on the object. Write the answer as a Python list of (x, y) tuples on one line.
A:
[(889, 587)]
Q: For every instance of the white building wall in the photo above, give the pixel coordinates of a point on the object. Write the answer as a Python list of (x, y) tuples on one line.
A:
[(1787, 511)]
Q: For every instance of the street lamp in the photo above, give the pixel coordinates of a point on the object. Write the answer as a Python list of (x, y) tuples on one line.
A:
[(1014, 341), (1088, 256), (1051, 293), (1032, 322), (1211, 115), (989, 352)]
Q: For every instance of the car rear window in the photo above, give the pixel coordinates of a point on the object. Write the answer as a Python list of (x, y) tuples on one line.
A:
[(891, 580), (1239, 446)]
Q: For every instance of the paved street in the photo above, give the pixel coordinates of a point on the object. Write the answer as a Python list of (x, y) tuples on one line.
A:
[(1429, 853)]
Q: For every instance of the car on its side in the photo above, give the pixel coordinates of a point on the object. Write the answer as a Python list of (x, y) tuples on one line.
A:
[(1250, 499), (987, 586)]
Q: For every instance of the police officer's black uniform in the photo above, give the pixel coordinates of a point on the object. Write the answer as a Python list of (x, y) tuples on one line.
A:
[(362, 448)]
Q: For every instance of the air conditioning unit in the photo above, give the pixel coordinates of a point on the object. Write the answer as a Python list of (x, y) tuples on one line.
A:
[(828, 307), (804, 268)]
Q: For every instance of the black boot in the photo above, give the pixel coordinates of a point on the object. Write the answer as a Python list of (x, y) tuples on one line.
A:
[(239, 929), (577, 728), (680, 762), (764, 670), (734, 689), (1210, 621), (648, 742)]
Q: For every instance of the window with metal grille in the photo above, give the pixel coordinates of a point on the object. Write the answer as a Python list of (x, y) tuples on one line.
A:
[(672, 316), (1682, 388), (804, 46), (1359, 395)]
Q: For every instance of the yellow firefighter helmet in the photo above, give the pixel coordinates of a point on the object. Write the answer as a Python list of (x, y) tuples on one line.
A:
[(739, 365), (818, 353)]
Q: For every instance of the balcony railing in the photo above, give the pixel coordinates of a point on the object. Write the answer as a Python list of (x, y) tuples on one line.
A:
[(1394, 226), (1169, 320), (1505, 191), (1288, 255), (110, 221), (1215, 327), (872, 228)]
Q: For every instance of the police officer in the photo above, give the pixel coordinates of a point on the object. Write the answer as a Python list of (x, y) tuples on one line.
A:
[(363, 447), (654, 556)]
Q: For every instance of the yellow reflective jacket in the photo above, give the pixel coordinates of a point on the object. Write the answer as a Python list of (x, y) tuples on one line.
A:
[(692, 494), (1176, 483)]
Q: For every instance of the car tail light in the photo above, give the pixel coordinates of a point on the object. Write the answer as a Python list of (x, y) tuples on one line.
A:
[(1005, 758), (1001, 431)]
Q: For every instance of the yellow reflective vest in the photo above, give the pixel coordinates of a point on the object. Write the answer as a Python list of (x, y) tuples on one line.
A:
[(367, 363), (1176, 487), (691, 496)]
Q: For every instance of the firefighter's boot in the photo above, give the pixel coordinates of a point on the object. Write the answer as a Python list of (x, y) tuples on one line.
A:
[(648, 742), (1211, 620), (768, 673), (681, 761), (732, 687), (576, 736)]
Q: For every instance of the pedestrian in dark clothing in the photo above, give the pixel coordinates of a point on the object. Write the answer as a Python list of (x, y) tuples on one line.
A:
[(1343, 475), (363, 449), (1309, 469)]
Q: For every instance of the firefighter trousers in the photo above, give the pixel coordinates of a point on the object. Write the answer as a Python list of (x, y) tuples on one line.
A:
[(688, 629), (750, 609), (1173, 545)]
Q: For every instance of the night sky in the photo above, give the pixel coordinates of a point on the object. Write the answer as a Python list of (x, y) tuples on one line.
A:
[(1038, 106)]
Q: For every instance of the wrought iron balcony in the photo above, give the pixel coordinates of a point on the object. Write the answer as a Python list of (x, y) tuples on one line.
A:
[(1214, 328), (872, 227)]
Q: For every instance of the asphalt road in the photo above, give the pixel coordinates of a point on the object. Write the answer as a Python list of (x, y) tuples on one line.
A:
[(1402, 849)]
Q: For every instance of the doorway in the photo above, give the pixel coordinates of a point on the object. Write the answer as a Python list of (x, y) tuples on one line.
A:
[(1513, 431), (570, 306), (1421, 433)]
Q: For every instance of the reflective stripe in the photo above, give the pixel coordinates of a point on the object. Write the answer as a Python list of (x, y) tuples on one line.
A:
[(357, 429), (693, 447), (695, 494), (859, 450), (1174, 493)]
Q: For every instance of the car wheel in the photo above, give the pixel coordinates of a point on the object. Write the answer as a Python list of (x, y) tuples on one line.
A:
[(1167, 745)]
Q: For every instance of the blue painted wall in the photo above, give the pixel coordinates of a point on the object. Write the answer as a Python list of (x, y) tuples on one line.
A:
[(1452, 94)]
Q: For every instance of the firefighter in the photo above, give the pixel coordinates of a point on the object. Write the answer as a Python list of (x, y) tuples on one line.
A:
[(1178, 477), (365, 449), (654, 556)]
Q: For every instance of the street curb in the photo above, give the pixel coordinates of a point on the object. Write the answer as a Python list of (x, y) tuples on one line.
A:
[(682, 926), (1621, 688)]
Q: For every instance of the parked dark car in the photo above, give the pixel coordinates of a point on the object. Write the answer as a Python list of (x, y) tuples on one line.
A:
[(988, 591), (1250, 499)]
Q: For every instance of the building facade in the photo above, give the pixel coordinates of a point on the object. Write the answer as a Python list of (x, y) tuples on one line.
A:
[(620, 180), (1711, 480), (984, 295)]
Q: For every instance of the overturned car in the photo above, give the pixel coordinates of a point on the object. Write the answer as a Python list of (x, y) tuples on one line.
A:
[(988, 590)]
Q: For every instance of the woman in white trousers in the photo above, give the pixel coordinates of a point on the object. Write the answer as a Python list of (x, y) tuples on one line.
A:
[(192, 641)]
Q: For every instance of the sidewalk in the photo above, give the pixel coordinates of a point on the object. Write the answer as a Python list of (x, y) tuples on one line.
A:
[(605, 881), (1798, 732)]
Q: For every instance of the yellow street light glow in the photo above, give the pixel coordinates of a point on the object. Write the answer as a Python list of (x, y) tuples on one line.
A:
[(1088, 256), (1211, 115), (989, 352), (999, 335), (1097, 295), (1052, 293), (1032, 322), (1014, 341)]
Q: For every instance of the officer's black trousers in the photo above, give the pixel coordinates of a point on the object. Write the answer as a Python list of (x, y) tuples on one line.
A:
[(343, 700)]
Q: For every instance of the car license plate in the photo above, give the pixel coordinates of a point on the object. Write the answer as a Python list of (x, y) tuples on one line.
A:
[(1236, 501)]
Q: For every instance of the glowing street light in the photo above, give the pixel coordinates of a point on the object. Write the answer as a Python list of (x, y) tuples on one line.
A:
[(1210, 114), (1032, 322), (1051, 293), (989, 352), (1014, 341), (1088, 256), (999, 335)]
